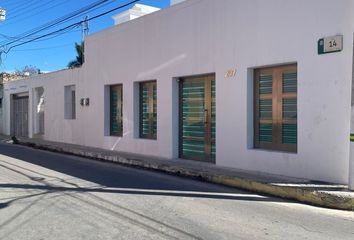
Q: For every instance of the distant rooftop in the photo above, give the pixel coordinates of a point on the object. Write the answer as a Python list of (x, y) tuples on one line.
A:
[(173, 2), (7, 77), (136, 11)]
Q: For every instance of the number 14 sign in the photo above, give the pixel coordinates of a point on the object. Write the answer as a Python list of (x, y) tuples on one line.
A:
[(330, 44)]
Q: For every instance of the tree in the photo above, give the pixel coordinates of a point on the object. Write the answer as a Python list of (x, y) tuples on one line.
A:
[(79, 58), (28, 70)]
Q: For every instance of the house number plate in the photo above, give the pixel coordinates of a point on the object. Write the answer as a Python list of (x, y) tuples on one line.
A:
[(330, 44)]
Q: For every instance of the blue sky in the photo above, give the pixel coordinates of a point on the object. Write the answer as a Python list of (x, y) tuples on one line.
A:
[(55, 53)]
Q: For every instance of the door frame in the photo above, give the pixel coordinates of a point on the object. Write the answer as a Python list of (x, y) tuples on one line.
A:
[(208, 106), (16, 96)]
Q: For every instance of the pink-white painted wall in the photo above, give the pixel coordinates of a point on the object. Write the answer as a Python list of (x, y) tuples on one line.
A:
[(208, 36)]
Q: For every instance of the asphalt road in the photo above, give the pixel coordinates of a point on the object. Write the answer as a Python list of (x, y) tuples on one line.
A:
[(52, 196)]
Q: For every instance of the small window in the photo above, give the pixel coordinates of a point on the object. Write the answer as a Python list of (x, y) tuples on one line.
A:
[(276, 108), (69, 102), (116, 110), (148, 110)]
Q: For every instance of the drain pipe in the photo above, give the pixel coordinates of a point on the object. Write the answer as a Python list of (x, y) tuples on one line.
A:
[(351, 155)]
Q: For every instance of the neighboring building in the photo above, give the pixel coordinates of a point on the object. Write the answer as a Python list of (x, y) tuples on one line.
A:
[(173, 2), (138, 10), (7, 77), (1, 97), (237, 83)]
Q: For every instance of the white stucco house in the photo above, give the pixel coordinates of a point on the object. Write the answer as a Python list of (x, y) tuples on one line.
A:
[(262, 85)]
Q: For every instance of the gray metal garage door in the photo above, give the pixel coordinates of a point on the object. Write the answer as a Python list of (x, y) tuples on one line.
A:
[(20, 116)]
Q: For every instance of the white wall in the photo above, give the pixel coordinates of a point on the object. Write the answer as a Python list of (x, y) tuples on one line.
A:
[(173, 2), (138, 10), (351, 159), (1, 121), (208, 36), (1, 115), (56, 127)]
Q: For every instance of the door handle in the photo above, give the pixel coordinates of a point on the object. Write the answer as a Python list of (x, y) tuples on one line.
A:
[(205, 116)]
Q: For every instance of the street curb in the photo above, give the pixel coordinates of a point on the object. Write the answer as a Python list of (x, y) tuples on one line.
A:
[(313, 197)]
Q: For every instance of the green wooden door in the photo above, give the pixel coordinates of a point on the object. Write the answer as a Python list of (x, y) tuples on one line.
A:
[(148, 110), (116, 121), (197, 118)]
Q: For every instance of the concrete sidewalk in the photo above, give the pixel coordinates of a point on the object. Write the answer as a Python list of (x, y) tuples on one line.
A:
[(303, 190)]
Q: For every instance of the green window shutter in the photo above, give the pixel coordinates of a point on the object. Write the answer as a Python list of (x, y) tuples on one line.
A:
[(289, 135), (266, 84), (145, 114), (276, 108), (290, 82), (265, 109), (116, 113), (154, 129), (266, 132), (289, 108), (213, 120), (148, 110)]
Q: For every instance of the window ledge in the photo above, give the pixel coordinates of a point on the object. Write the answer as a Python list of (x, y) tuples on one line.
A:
[(271, 151)]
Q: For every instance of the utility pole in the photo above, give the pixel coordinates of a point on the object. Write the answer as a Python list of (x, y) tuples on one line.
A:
[(2, 14), (85, 28), (2, 18)]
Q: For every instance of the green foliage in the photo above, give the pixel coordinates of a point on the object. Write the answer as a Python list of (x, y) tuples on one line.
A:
[(79, 58), (28, 70)]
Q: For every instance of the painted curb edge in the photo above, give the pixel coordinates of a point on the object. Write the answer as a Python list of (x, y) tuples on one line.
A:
[(315, 198)]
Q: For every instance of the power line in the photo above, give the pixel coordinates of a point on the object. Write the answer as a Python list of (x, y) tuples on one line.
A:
[(14, 4), (41, 11), (9, 37), (24, 17), (12, 38), (16, 38), (71, 26), (46, 36), (24, 6), (45, 48), (23, 14), (6, 36), (54, 23)]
